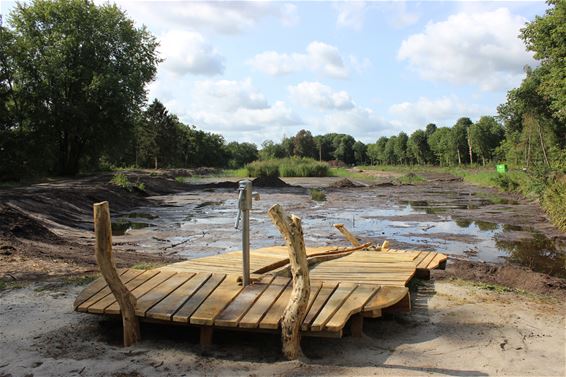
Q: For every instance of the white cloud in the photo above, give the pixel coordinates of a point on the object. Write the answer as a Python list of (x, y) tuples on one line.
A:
[(315, 94), (188, 52), (232, 107), (351, 14), (480, 48), (319, 57), (218, 16), (442, 111)]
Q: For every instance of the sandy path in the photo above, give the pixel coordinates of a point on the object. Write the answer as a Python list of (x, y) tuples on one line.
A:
[(454, 329)]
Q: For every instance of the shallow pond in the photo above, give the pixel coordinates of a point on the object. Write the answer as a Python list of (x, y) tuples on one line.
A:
[(198, 224)]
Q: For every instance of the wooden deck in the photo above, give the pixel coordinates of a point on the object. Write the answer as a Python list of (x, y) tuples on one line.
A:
[(206, 291), (215, 299), (392, 268)]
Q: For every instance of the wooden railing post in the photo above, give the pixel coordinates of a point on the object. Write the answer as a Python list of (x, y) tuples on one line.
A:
[(295, 312), (103, 252)]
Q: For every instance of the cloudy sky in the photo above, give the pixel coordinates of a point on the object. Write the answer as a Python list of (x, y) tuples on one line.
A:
[(261, 70)]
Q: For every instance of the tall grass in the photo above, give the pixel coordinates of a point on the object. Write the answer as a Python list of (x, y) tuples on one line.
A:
[(288, 167)]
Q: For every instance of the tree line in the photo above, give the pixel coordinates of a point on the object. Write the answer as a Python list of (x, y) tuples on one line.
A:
[(72, 98)]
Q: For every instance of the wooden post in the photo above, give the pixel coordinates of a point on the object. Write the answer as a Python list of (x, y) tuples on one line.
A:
[(349, 236), (103, 252), (296, 310)]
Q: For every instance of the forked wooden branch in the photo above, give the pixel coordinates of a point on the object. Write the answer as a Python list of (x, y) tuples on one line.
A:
[(103, 253), (296, 310)]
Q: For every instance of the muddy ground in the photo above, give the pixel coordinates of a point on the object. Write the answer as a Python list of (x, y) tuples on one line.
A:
[(497, 309)]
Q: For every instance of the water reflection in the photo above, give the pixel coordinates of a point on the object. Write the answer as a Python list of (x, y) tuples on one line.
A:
[(539, 253)]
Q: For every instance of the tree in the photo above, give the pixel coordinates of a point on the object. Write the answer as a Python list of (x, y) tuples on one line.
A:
[(381, 143), (304, 145), (360, 153), (344, 148), (240, 154), (461, 140), (417, 146), (486, 135), (546, 37), (158, 137), (389, 152), (270, 150), (400, 147), (77, 73), (441, 142)]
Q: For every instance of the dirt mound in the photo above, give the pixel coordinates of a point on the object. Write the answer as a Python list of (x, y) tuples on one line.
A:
[(14, 223), (269, 182), (509, 275), (345, 183)]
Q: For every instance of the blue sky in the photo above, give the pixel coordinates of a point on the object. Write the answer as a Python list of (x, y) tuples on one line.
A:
[(261, 70)]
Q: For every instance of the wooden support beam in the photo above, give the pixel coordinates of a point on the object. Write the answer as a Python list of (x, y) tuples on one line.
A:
[(206, 334), (296, 310), (103, 253), (357, 325), (349, 236)]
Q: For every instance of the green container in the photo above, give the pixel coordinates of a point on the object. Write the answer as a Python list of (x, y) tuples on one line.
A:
[(501, 168)]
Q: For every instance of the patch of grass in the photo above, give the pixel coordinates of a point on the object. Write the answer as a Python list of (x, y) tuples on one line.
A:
[(341, 172), (288, 167), (410, 179), (242, 172), (5, 285), (317, 195), (121, 180), (266, 168), (180, 179), (146, 266)]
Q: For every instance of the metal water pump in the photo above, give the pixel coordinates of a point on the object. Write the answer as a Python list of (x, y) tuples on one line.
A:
[(244, 207)]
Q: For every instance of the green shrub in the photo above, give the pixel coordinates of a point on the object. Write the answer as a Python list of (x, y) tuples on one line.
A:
[(267, 168), (410, 179), (506, 182), (554, 202), (317, 195), (121, 180), (288, 167)]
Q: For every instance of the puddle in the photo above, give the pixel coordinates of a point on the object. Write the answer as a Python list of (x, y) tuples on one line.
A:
[(120, 227), (203, 224)]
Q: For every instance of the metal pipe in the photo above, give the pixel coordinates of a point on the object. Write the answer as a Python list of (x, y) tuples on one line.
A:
[(246, 248)]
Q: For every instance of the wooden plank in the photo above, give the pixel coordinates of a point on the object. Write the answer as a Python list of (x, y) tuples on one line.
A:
[(126, 277), (93, 288), (216, 302), (333, 304), (141, 290), (424, 263), (435, 263), (231, 315), (386, 296), (108, 300), (322, 297), (197, 298), (273, 316), (167, 307), (254, 315), (160, 292), (352, 305)]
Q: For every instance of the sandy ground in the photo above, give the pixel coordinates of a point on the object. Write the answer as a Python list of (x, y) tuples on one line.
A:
[(455, 329)]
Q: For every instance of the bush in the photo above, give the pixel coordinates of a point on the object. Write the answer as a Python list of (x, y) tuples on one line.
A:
[(121, 180), (506, 182), (288, 167), (554, 202), (317, 195), (268, 168)]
